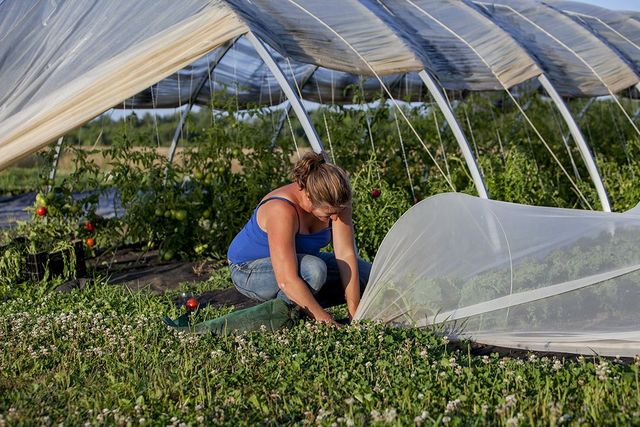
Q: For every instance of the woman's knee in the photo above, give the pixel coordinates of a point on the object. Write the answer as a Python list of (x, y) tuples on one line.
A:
[(313, 271), (255, 280)]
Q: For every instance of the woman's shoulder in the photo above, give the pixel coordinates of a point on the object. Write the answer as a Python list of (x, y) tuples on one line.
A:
[(285, 192), (279, 206), (280, 201)]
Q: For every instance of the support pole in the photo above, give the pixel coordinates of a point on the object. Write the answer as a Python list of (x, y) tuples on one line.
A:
[(637, 113), (565, 137), (445, 125), (192, 99), (56, 161), (580, 142), (296, 104), (287, 109), (194, 96), (457, 131)]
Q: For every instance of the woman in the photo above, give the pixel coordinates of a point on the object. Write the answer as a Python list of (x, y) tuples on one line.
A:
[(277, 253)]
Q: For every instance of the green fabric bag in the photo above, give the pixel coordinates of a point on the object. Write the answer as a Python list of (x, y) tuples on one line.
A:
[(273, 314)]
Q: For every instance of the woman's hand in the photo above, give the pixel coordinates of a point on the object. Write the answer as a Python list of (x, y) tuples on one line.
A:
[(345, 250), (324, 317)]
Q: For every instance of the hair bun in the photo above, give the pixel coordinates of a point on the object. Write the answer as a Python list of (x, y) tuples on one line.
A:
[(324, 182)]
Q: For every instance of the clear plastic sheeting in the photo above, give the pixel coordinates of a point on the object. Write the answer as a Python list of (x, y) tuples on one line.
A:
[(615, 28), (64, 62), (242, 77), (453, 39), (344, 35), (511, 275), (463, 56), (576, 61)]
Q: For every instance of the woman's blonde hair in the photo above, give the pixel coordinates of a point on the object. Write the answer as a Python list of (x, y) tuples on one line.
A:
[(326, 184)]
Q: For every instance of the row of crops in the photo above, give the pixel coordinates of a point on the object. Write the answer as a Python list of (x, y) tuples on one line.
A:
[(193, 207), (100, 355)]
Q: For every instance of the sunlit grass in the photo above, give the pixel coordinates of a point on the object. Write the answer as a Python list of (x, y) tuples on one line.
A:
[(102, 356)]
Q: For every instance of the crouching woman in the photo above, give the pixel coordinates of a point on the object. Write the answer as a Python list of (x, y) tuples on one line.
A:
[(277, 252)]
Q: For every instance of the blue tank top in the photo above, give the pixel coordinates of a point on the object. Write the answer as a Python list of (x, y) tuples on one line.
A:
[(252, 243)]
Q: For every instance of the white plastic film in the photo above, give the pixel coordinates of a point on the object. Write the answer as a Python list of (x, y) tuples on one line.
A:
[(65, 62), (512, 275)]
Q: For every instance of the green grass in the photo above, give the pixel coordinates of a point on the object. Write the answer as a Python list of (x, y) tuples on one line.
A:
[(102, 356), (19, 180)]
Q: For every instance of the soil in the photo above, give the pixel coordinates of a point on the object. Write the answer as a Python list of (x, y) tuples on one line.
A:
[(138, 270)]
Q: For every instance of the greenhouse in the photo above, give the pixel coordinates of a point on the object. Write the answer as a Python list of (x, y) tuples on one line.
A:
[(480, 268)]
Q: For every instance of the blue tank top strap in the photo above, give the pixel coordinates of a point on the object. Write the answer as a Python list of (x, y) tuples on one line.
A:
[(252, 242), (278, 198)]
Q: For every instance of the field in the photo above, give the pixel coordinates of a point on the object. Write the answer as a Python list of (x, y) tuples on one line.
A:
[(101, 355)]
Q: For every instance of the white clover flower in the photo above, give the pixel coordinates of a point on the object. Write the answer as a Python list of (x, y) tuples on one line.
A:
[(445, 420), (452, 405), (375, 415), (564, 419), (603, 371), (512, 422), (390, 414)]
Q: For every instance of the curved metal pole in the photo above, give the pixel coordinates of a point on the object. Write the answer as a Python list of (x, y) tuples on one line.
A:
[(194, 96), (283, 117), (565, 136), (580, 142), (192, 99), (296, 104), (457, 132), (56, 161)]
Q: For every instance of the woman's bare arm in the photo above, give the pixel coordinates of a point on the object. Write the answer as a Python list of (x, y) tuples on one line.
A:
[(280, 221), (344, 247)]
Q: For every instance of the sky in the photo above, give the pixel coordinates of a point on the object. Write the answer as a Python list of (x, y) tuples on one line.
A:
[(616, 4)]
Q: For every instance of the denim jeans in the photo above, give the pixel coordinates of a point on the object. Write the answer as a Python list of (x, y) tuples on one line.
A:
[(256, 279)]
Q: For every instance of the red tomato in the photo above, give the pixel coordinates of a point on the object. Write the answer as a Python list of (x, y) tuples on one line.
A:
[(89, 226), (91, 242), (375, 193), (191, 304), (41, 211)]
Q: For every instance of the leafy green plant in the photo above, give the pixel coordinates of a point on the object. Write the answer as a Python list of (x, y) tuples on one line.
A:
[(376, 207)]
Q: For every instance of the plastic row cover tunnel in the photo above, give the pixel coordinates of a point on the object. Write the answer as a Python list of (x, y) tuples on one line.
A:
[(510, 275)]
